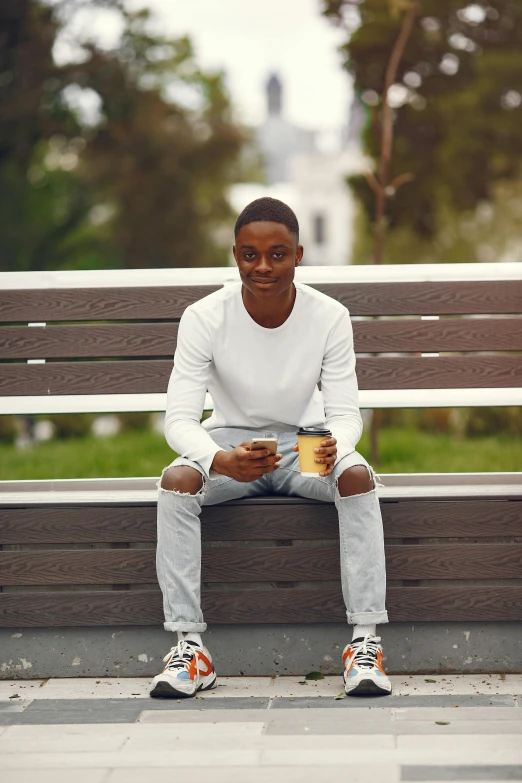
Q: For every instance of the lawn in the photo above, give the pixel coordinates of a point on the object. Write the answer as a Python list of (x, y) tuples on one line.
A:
[(145, 453)]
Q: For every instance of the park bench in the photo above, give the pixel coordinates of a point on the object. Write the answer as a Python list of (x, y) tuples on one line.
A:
[(77, 557)]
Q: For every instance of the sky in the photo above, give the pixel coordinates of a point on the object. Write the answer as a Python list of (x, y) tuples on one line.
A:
[(249, 40)]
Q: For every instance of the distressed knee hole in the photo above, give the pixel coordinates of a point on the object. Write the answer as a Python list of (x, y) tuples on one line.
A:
[(371, 476), (182, 480)]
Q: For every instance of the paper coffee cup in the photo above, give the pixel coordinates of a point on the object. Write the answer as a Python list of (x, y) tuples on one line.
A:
[(310, 438)]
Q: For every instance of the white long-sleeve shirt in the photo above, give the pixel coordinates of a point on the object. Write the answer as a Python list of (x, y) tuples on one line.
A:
[(262, 378)]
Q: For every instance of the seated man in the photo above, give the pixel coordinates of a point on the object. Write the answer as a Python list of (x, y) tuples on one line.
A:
[(259, 347)]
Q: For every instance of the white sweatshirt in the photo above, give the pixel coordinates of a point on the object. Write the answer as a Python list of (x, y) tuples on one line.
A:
[(262, 378)]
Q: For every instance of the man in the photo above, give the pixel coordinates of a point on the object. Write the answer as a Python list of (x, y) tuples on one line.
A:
[(259, 347)]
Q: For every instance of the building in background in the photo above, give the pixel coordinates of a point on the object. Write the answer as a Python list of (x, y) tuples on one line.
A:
[(308, 170)]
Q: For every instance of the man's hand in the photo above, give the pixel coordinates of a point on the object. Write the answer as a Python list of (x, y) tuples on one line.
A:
[(326, 454), (244, 463)]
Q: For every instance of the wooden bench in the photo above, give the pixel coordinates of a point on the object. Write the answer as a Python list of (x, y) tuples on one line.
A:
[(81, 553)]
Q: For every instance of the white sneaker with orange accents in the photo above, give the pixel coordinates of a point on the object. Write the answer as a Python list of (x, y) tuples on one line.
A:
[(363, 672), (188, 669)]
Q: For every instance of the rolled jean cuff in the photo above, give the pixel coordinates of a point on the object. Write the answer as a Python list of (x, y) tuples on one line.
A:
[(366, 618), (185, 627)]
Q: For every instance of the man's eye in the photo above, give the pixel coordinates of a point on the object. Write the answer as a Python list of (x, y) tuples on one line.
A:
[(249, 256), (279, 256)]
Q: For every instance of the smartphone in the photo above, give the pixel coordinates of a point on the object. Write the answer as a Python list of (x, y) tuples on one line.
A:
[(265, 443)]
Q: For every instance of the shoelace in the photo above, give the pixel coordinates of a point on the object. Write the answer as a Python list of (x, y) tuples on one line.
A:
[(180, 655), (366, 652)]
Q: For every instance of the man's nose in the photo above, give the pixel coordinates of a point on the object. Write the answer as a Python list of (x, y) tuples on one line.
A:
[(264, 263)]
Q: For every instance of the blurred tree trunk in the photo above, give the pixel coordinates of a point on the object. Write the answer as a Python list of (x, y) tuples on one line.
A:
[(381, 184)]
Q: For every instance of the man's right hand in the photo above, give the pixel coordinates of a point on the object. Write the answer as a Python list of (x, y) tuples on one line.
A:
[(244, 463)]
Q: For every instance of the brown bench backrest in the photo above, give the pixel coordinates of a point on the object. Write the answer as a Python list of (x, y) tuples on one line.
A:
[(121, 340)]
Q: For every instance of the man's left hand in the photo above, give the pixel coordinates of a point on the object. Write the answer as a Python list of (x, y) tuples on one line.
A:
[(326, 454)]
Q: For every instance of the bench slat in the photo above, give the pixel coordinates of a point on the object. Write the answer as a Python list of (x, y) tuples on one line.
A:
[(261, 564), (99, 304), (85, 341), (324, 605), (228, 522), (429, 298), (152, 339), (140, 377), (165, 302)]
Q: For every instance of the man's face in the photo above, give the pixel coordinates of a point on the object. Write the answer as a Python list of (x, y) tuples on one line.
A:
[(267, 255)]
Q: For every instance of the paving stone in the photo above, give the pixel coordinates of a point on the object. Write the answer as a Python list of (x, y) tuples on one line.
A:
[(355, 702), (56, 776), (286, 686), (27, 689), (356, 727), (116, 710), (357, 773), (434, 684), (468, 772), (234, 757), (464, 714), (17, 705), (281, 716), (78, 711), (62, 744), (449, 744), (425, 755), (260, 742)]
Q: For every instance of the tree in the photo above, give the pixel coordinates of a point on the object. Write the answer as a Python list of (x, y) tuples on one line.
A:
[(456, 100), (141, 181)]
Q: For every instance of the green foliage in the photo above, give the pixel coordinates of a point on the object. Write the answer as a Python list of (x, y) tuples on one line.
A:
[(145, 453), (8, 429), (136, 420), (457, 125), (480, 422), (142, 184), (68, 425), (459, 422)]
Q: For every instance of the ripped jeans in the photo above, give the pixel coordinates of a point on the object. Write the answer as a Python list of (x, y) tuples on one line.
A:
[(178, 556)]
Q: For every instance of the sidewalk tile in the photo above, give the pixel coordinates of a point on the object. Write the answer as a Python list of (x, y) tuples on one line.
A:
[(355, 773), (56, 776), (235, 757), (62, 744), (460, 743), (464, 713), (357, 728), (175, 742), (136, 687), (468, 773)]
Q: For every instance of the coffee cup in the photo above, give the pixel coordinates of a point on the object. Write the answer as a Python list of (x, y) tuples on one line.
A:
[(310, 438)]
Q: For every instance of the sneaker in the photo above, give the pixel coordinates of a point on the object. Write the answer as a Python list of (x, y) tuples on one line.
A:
[(188, 669), (363, 672)]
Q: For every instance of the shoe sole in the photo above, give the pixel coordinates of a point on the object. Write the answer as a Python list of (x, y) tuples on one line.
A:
[(368, 688), (163, 690)]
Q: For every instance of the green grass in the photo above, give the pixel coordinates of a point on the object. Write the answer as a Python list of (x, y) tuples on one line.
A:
[(413, 451), (146, 453)]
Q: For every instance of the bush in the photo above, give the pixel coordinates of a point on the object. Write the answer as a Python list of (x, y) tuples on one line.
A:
[(8, 429), (139, 420), (479, 422), (71, 425)]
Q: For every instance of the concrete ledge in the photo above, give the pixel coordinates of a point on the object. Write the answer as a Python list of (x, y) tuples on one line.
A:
[(259, 650)]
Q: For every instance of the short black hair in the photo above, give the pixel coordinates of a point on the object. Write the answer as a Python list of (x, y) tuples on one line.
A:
[(270, 209)]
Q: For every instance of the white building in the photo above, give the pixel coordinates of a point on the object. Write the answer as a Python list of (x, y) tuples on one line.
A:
[(311, 180)]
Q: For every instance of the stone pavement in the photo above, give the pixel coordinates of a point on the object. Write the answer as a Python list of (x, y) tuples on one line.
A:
[(284, 729)]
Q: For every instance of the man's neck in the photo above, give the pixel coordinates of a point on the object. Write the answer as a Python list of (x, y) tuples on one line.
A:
[(270, 313)]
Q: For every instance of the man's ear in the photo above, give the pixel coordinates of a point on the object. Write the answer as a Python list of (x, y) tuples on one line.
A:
[(299, 254), (234, 252)]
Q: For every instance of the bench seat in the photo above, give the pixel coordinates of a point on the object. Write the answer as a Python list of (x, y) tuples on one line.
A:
[(453, 549)]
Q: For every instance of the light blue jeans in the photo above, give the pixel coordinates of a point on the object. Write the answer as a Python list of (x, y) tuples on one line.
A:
[(178, 556)]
